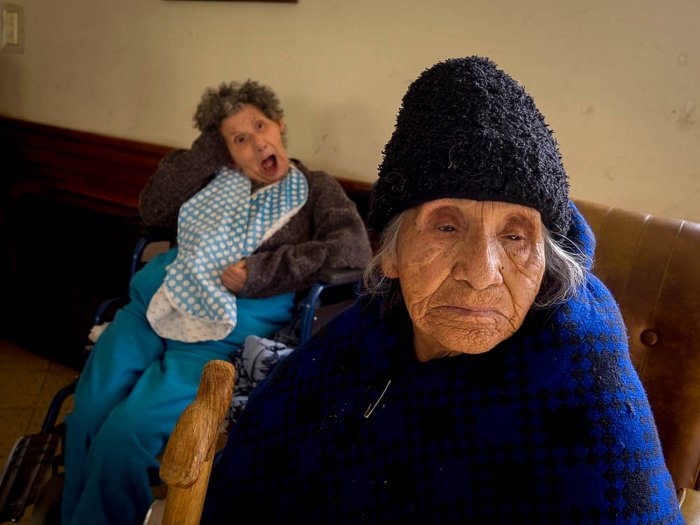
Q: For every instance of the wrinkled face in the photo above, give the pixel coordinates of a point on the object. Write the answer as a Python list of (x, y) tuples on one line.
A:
[(255, 144), (469, 272)]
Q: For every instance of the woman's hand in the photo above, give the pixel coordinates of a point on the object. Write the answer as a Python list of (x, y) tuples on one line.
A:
[(235, 275)]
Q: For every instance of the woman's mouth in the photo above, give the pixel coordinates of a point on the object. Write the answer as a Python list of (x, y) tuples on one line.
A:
[(269, 165), (477, 312), (472, 311)]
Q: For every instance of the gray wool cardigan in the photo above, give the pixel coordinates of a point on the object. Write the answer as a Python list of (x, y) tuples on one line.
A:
[(327, 233)]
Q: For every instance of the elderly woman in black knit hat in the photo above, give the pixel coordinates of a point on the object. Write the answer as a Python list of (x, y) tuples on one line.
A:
[(253, 227), (484, 377)]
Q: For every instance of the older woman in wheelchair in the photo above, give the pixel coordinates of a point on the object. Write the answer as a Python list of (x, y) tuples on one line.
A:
[(253, 228)]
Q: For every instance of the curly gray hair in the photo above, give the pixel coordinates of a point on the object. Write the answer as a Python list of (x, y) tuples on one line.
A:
[(229, 98), (565, 269)]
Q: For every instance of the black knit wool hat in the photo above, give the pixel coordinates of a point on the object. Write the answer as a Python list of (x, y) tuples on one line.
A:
[(468, 130)]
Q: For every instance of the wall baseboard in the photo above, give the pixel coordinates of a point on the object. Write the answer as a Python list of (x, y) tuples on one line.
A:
[(96, 171)]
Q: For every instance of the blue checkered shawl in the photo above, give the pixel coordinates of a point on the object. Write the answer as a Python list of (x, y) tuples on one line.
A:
[(551, 426)]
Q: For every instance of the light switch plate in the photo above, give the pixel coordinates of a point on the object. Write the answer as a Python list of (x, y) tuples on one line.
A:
[(12, 29)]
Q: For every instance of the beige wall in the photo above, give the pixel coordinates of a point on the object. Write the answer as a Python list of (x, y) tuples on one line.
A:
[(618, 80)]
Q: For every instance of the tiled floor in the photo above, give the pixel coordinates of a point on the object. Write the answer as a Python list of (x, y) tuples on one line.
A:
[(27, 385)]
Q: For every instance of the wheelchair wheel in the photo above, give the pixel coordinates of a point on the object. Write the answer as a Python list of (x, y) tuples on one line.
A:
[(47, 506)]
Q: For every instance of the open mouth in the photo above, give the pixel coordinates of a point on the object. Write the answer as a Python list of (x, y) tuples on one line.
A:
[(269, 165)]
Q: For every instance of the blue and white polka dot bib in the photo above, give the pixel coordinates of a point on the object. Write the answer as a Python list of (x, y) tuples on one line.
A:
[(217, 227)]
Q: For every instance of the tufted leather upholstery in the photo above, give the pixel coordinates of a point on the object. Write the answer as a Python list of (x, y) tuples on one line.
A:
[(652, 267)]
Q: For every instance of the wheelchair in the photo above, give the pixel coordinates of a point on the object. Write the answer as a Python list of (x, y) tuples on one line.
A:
[(33, 472)]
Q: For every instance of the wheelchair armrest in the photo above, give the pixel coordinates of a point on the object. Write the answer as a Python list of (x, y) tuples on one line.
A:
[(105, 311), (149, 236), (326, 280)]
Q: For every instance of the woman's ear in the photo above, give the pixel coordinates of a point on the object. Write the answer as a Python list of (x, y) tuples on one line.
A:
[(389, 267), (281, 125)]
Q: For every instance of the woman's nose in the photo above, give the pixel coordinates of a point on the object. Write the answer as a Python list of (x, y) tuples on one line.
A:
[(478, 263), (260, 143)]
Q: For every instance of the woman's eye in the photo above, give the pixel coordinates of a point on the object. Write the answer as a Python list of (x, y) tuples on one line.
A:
[(446, 228), (514, 237), (239, 140), (259, 125)]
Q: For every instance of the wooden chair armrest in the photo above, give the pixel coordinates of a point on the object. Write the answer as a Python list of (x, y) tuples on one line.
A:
[(689, 500), (188, 457)]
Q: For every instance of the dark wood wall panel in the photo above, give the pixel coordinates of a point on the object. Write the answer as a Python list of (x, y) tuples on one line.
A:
[(68, 221), (107, 170)]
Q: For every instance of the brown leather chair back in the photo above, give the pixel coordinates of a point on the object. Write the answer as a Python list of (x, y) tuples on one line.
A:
[(652, 267)]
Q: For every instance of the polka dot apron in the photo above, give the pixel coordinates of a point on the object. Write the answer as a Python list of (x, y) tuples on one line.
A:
[(217, 227)]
